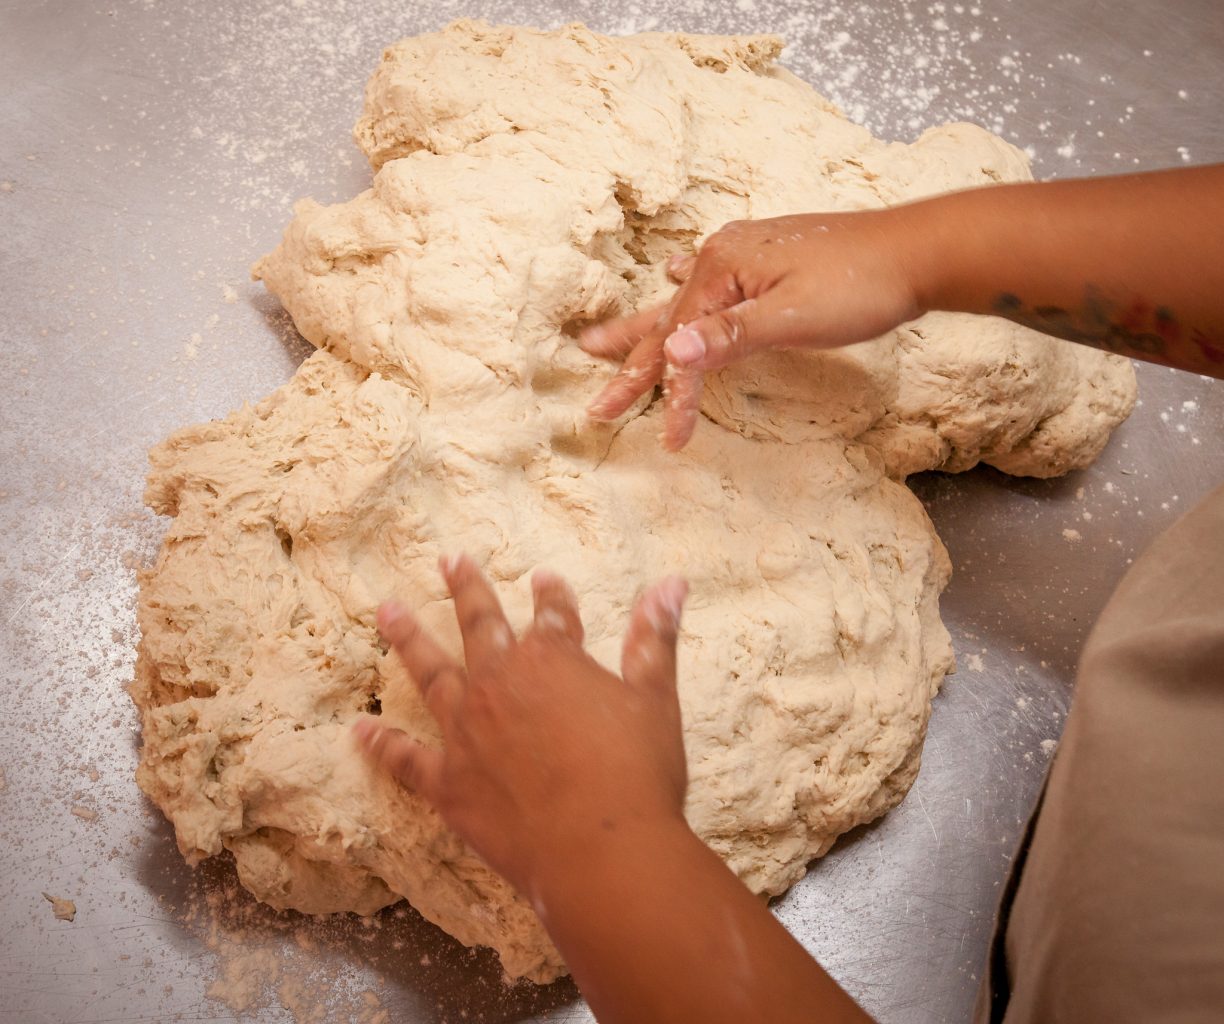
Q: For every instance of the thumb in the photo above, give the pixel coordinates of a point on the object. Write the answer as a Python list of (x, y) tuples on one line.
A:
[(649, 655), (394, 752), (728, 335)]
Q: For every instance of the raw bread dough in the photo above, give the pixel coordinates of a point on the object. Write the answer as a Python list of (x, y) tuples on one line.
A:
[(61, 909), (529, 182)]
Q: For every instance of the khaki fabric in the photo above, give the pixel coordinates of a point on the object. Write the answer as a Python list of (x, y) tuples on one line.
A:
[(1115, 908)]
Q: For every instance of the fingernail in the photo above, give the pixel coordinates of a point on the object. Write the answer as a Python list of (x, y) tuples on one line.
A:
[(592, 337), (389, 613), (672, 592), (449, 564), (665, 604), (685, 347), (675, 261), (544, 578), (366, 732), (600, 409)]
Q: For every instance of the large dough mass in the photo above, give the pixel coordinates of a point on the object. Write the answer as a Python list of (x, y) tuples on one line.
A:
[(528, 182)]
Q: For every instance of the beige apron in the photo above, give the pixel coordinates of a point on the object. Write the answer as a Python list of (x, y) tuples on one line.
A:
[(1115, 908)]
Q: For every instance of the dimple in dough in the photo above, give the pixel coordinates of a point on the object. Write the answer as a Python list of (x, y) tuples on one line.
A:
[(528, 182)]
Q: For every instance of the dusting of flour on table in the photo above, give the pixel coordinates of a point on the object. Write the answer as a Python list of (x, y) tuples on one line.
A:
[(527, 183)]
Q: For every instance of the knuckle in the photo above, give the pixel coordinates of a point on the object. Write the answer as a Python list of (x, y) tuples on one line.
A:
[(727, 325), (552, 620), (402, 764), (432, 679), (427, 677), (721, 293)]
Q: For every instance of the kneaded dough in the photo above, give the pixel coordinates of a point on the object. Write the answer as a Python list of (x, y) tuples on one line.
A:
[(528, 182)]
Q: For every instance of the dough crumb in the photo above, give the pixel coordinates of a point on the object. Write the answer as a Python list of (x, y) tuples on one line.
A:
[(64, 910), (84, 813), (1072, 535)]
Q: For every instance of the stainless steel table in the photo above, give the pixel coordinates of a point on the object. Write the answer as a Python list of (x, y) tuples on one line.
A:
[(149, 151)]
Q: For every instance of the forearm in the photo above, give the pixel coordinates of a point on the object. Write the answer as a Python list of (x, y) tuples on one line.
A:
[(1131, 264), (655, 928)]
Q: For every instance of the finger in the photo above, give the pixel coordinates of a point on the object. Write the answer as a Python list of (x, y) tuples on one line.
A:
[(649, 654), (401, 757), (710, 289), (639, 373), (681, 406), (680, 267), (615, 339), (728, 335), (435, 673), (556, 607), (486, 633)]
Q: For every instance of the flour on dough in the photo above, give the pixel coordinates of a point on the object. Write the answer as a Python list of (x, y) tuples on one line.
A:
[(529, 182)]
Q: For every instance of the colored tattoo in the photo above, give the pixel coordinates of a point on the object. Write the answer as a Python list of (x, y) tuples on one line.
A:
[(1138, 329)]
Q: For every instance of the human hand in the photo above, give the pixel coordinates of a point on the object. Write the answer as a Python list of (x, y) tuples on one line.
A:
[(818, 280), (544, 751)]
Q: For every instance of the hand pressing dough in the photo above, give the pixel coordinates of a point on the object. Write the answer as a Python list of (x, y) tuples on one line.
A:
[(528, 182)]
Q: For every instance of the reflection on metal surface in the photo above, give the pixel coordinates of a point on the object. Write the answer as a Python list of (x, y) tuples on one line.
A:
[(149, 154)]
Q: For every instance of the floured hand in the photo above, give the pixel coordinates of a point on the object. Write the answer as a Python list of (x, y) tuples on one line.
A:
[(544, 750), (819, 280)]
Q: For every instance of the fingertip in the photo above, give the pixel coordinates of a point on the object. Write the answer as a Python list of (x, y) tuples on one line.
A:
[(542, 579), (674, 592), (556, 606), (664, 603), (367, 733), (395, 623), (649, 652), (676, 437), (685, 347), (452, 565), (682, 406), (593, 339), (679, 422), (389, 613), (393, 752)]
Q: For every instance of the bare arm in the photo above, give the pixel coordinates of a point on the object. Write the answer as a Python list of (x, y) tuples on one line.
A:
[(657, 929), (1132, 264), (570, 782)]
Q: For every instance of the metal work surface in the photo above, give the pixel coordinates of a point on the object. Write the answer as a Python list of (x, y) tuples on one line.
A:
[(149, 152)]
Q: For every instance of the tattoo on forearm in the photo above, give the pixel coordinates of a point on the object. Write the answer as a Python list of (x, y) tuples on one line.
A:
[(1138, 329)]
